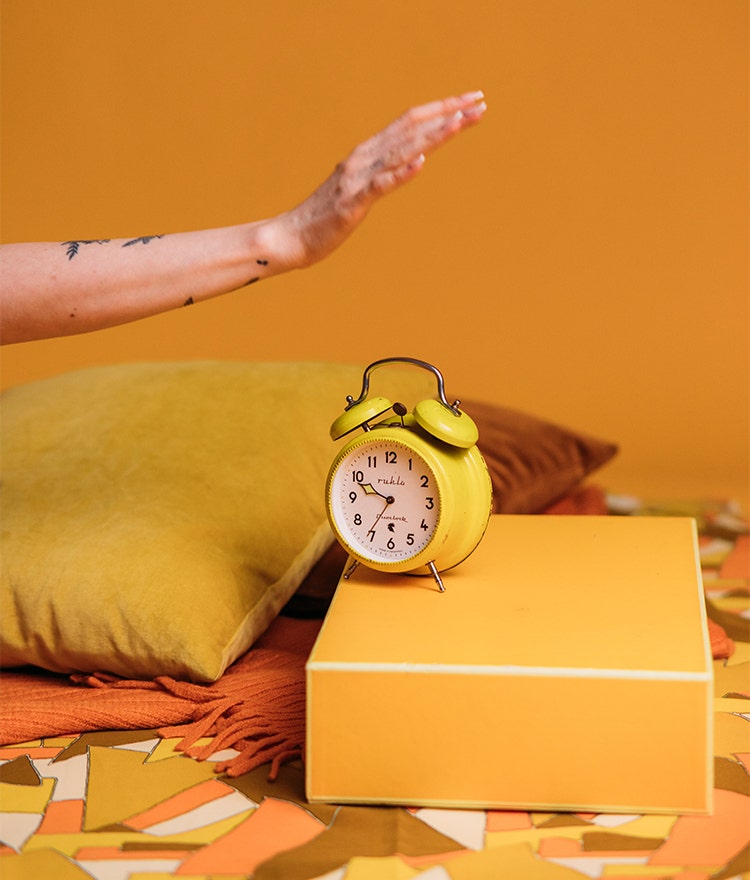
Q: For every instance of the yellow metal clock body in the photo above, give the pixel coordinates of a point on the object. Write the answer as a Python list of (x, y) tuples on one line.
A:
[(411, 493)]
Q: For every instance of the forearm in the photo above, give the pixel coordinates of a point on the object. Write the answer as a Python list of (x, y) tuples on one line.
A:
[(62, 288)]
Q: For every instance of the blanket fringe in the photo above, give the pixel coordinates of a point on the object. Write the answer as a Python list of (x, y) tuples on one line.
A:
[(256, 708), (261, 716)]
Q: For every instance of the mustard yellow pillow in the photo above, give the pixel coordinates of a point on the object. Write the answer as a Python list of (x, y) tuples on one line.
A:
[(156, 517)]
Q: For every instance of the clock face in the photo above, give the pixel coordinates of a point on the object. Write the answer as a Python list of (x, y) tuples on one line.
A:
[(385, 500)]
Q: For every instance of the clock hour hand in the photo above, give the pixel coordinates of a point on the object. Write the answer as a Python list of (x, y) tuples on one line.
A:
[(369, 489)]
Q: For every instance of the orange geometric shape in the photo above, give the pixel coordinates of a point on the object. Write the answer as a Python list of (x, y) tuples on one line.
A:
[(737, 564), (560, 848), (62, 817), (508, 820), (11, 752), (708, 840), (276, 826), (110, 853), (181, 803)]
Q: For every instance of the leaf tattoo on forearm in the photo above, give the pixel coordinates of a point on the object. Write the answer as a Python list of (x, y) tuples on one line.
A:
[(143, 239), (73, 246)]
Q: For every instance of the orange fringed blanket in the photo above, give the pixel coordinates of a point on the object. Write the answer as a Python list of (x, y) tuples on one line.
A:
[(257, 707)]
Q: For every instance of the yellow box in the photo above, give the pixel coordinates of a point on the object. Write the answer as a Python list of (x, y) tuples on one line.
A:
[(566, 667)]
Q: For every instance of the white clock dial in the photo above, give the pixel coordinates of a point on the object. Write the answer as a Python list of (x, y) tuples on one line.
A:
[(385, 500)]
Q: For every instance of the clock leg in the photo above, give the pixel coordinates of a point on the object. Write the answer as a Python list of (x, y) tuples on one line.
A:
[(349, 571), (436, 575)]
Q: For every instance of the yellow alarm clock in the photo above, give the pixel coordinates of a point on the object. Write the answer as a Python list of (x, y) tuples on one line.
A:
[(411, 493)]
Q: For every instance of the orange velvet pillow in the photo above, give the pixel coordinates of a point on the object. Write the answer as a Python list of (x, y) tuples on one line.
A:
[(532, 462)]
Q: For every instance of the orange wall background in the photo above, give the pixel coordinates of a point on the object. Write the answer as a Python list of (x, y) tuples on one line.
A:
[(582, 254)]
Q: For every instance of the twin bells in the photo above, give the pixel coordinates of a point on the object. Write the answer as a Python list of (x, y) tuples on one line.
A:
[(442, 420)]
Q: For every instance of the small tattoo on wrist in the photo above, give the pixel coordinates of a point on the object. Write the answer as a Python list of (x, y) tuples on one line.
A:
[(262, 262), (189, 301), (251, 281)]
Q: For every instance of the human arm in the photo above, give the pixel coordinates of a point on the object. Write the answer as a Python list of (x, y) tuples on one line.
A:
[(62, 288)]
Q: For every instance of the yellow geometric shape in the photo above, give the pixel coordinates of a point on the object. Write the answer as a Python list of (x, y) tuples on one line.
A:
[(652, 826), (69, 844), (517, 860), (734, 604), (160, 875), (384, 868), (741, 654), (41, 865), (731, 735), (630, 870), (532, 836), (648, 826), (25, 798), (735, 705), (122, 784), (731, 678), (167, 748)]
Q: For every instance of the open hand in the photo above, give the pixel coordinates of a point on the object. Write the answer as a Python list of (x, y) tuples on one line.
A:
[(376, 167)]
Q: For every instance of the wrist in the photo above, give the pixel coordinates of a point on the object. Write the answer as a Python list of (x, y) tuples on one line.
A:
[(275, 246)]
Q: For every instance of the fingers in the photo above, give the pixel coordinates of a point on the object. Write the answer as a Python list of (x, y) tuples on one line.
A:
[(447, 107), (391, 178), (437, 121), (420, 131), (397, 153)]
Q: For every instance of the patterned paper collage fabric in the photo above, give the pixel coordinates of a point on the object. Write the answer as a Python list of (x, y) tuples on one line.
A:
[(126, 805)]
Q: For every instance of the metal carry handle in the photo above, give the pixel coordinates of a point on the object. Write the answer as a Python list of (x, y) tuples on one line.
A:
[(415, 362)]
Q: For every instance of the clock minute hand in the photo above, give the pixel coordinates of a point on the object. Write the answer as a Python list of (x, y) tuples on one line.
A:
[(389, 499), (377, 518)]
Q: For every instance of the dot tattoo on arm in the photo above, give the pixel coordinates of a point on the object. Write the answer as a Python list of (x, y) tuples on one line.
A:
[(189, 301)]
